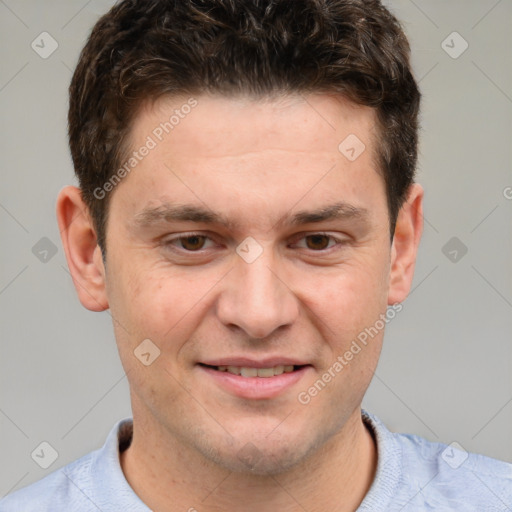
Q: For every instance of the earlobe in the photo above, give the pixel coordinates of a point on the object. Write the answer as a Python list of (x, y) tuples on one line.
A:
[(408, 230), (82, 251)]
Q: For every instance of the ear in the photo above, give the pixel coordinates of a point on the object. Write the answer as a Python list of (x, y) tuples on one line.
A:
[(82, 251), (408, 230)]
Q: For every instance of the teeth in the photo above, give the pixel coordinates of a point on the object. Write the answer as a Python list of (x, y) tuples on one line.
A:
[(247, 371), (265, 372), (278, 370), (233, 369)]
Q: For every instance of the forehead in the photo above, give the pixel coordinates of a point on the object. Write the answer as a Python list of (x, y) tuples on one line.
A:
[(244, 156), (219, 125)]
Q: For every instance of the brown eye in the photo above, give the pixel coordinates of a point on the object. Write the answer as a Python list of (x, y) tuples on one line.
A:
[(317, 242), (193, 243)]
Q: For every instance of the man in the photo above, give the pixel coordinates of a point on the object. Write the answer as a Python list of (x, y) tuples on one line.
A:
[(247, 211)]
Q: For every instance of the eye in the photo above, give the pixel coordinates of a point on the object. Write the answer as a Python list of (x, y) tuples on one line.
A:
[(318, 242), (192, 242)]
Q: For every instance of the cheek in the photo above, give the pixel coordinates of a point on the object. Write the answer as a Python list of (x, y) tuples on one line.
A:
[(163, 305), (349, 298)]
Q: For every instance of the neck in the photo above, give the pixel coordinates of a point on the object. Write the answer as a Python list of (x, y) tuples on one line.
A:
[(167, 475)]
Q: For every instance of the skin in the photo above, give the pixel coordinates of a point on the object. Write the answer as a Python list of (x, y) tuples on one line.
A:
[(255, 162)]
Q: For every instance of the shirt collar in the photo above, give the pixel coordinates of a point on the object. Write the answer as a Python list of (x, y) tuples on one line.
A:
[(389, 467), (113, 492)]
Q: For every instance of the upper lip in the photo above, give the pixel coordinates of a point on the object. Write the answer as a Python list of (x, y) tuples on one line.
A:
[(269, 362)]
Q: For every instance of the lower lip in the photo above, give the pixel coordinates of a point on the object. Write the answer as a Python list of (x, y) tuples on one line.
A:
[(256, 388)]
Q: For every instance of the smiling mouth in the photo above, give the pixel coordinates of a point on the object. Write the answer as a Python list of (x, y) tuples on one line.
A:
[(248, 371)]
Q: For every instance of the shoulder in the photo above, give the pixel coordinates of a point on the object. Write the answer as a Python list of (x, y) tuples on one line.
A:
[(436, 476), (60, 490), (451, 474), (91, 483)]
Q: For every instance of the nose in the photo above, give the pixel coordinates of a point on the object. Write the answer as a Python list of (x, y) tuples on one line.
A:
[(256, 299)]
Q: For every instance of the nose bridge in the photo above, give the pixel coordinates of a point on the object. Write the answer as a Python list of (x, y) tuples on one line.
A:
[(255, 298)]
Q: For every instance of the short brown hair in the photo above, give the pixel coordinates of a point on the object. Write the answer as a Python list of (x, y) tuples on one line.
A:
[(143, 49)]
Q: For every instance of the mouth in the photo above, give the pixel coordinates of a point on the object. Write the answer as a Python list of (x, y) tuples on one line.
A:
[(254, 380), (251, 371)]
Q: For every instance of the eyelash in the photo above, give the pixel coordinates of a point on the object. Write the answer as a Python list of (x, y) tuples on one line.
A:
[(338, 242)]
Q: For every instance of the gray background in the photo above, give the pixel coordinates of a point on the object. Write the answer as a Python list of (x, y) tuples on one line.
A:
[(446, 367)]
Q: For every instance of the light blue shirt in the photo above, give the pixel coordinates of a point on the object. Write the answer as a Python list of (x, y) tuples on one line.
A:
[(413, 475)]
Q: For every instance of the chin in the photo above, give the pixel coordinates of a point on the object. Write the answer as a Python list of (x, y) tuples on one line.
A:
[(253, 454)]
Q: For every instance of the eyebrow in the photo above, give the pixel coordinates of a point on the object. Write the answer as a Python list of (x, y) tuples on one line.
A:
[(170, 213)]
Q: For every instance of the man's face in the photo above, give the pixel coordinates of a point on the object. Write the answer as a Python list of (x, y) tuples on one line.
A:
[(295, 294)]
